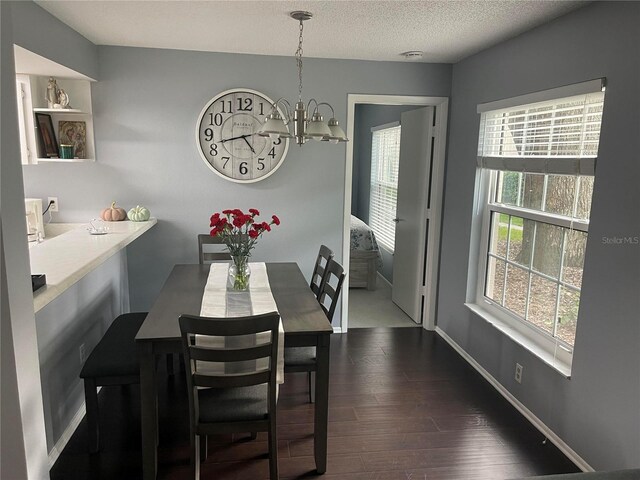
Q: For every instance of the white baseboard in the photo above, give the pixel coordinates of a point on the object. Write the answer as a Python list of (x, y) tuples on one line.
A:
[(381, 277), (528, 414), (337, 329), (66, 435)]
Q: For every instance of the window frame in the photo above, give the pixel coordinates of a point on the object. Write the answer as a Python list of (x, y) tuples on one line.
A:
[(561, 351), (552, 350)]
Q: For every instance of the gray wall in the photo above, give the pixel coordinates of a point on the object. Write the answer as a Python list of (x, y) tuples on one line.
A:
[(24, 453), (596, 411), (366, 117), (79, 316), (48, 343), (145, 109), (40, 32)]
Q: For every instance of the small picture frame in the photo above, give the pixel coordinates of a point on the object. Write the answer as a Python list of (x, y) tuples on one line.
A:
[(46, 136), (74, 133)]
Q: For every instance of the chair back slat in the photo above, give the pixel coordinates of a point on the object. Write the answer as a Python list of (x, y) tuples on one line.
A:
[(228, 327), (334, 275), (231, 380), (317, 278), (319, 270), (210, 354), (328, 291), (208, 257)]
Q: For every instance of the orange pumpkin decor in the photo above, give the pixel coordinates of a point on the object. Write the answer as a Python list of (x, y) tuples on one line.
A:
[(113, 213)]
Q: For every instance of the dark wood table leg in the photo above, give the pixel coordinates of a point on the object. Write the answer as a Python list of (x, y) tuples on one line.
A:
[(322, 404), (148, 410)]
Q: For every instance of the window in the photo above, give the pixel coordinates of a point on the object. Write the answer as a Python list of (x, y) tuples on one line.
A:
[(385, 157), (537, 167)]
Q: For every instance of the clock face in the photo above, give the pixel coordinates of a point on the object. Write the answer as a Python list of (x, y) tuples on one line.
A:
[(227, 139)]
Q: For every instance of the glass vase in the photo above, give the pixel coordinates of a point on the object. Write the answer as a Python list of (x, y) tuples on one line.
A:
[(239, 274)]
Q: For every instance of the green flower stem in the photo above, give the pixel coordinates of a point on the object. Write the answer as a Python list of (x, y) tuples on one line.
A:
[(242, 274)]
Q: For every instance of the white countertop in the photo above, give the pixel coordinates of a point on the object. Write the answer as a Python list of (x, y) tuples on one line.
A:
[(67, 257)]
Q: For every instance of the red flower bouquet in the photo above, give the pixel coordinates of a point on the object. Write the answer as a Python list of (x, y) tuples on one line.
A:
[(240, 232)]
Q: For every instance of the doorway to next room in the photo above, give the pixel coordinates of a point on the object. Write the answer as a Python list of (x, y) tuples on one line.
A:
[(394, 188)]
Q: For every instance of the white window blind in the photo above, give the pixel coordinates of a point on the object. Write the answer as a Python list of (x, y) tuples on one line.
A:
[(385, 157), (555, 136)]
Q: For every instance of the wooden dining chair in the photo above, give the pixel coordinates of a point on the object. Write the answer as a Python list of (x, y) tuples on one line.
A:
[(317, 277), (303, 359), (243, 401), (204, 241)]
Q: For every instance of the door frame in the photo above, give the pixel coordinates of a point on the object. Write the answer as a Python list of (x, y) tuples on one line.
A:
[(434, 214)]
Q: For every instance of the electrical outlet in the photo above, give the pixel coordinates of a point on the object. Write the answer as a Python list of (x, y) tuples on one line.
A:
[(519, 369), (53, 204), (82, 354)]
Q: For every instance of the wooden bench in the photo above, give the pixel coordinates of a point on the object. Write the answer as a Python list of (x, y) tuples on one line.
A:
[(113, 361)]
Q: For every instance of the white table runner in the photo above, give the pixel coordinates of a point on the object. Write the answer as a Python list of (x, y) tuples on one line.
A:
[(218, 302)]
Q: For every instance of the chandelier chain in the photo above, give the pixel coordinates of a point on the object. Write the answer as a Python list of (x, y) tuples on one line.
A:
[(307, 124), (299, 61)]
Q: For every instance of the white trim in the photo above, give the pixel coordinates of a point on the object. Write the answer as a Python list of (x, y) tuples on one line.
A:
[(434, 214), (574, 89), (540, 216), (550, 352), (67, 434), (381, 277), (528, 414), (437, 185), (551, 165), (337, 329)]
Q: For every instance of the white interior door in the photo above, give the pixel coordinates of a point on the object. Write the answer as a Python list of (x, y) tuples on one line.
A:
[(416, 140)]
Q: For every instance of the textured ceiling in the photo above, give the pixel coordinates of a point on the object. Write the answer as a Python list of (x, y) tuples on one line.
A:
[(447, 31)]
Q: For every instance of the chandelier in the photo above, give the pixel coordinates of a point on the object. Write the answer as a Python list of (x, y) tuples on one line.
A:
[(275, 126)]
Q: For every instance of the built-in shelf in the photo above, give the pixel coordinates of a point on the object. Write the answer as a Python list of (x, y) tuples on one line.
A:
[(68, 160), (70, 125), (60, 110)]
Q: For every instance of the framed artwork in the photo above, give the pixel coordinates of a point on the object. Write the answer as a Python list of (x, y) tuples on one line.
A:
[(46, 136), (74, 133)]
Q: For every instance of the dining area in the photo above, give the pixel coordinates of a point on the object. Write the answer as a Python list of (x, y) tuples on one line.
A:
[(230, 332)]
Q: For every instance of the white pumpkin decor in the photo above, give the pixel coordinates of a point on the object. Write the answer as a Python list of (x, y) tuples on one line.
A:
[(139, 214)]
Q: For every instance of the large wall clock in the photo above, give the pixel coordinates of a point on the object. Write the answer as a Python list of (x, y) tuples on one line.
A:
[(227, 139)]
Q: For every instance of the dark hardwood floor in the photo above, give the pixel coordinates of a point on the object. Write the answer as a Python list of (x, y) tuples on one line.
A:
[(403, 405)]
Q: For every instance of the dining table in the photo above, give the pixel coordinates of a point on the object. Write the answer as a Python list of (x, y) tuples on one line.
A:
[(303, 320)]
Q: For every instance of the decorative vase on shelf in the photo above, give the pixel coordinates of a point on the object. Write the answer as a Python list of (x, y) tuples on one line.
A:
[(239, 274)]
